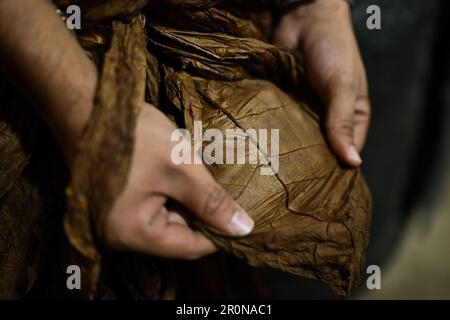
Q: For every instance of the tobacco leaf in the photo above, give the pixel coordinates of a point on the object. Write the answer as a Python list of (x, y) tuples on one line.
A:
[(313, 215), (29, 175), (101, 167)]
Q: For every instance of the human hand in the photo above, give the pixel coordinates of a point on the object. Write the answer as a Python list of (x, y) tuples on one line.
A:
[(322, 31), (42, 65), (140, 221)]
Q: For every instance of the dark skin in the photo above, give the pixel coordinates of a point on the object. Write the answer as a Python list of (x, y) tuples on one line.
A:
[(52, 69)]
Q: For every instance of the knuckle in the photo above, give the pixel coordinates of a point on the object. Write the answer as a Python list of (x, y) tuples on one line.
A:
[(176, 171), (363, 110), (216, 199), (145, 227), (127, 235), (342, 81), (340, 127), (153, 236), (363, 103)]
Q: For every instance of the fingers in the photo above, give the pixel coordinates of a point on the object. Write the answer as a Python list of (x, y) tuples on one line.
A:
[(170, 239), (152, 229), (211, 203), (181, 242), (348, 112), (334, 68), (174, 217), (361, 122), (362, 111), (339, 121), (166, 234)]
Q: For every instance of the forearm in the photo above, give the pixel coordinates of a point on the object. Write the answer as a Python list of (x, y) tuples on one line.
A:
[(41, 56)]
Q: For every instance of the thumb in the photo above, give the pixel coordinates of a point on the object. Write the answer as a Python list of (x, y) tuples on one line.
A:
[(211, 202), (339, 124)]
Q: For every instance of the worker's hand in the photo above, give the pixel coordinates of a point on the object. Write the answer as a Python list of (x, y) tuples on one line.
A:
[(140, 221), (53, 70), (322, 31)]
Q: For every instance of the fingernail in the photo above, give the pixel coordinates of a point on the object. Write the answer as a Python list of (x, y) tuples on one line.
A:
[(241, 224), (353, 154)]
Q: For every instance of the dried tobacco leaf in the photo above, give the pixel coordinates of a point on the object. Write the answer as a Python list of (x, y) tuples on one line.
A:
[(313, 216), (107, 143), (28, 197)]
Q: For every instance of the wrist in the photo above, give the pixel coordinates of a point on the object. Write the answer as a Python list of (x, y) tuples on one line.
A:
[(70, 124), (49, 66)]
